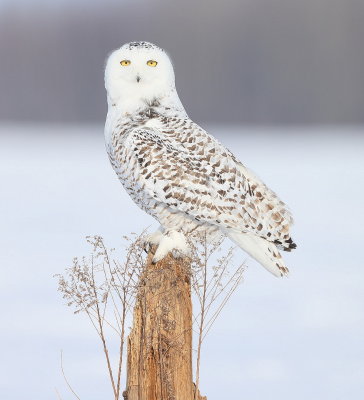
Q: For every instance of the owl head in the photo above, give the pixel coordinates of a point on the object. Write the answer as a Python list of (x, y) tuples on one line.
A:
[(138, 71)]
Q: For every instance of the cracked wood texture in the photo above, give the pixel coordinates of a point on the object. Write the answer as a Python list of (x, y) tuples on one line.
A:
[(160, 343)]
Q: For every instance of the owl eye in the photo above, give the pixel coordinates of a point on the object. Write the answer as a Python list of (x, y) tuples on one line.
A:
[(152, 63), (125, 63)]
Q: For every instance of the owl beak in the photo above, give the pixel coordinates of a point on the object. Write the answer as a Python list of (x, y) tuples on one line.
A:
[(138, 78)]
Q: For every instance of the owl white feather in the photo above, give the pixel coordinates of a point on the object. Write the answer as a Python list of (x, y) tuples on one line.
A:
[(177, 172)]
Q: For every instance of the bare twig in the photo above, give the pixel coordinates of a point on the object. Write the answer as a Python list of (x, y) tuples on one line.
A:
[(202, 299), (65, 378), (213, 286), (57, 393), (105, 289)]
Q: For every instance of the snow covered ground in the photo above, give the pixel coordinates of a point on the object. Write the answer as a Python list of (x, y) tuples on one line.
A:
[(298, 338)]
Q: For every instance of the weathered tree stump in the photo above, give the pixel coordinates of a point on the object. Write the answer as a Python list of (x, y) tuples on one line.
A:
[(160, 344)]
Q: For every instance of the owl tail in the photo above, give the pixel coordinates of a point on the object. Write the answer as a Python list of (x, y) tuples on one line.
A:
[(266, 253)]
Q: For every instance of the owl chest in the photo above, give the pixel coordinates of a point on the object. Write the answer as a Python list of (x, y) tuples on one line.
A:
[(129, 173)]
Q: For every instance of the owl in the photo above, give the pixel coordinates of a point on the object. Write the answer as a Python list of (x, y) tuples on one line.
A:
[(180, 174)]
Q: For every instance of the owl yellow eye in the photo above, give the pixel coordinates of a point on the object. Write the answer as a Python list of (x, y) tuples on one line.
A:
[(152, 63), (125, 63)]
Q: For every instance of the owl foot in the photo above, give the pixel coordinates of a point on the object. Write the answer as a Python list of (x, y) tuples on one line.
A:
[(153, 240), (174, 242)]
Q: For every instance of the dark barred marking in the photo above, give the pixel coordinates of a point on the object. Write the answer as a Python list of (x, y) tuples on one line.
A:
[(142, 45)]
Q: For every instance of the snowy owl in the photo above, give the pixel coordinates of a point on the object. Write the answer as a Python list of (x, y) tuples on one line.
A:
[(177, 172)]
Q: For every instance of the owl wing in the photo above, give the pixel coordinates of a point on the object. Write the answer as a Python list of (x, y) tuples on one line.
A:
[(218, 190), (265, 214)]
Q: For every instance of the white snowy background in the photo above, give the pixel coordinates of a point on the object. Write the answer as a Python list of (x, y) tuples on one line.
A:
[(297, 338)]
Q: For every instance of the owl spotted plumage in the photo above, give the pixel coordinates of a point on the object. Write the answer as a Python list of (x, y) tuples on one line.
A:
[(178, 173)]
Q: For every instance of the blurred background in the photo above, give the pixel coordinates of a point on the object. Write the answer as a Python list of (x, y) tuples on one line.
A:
[(239, 61), (281, 83)]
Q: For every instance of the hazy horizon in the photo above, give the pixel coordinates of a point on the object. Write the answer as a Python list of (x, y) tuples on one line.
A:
[(237, 62)]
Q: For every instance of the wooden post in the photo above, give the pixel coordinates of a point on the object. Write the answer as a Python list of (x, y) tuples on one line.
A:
[(160, 344)]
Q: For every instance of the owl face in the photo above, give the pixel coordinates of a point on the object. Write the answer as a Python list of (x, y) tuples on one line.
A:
[(138, 69)]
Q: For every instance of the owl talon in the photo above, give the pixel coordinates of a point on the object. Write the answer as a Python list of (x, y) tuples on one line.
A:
[(152, 240), (172, 242)]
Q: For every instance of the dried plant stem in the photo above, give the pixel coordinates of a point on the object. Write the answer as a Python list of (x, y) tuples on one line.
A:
[(102, 336), (222, 305), (121, 347), (65, 378), (201, 327), (105, 290), (159, 364), (213, 286), (57, 393)]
